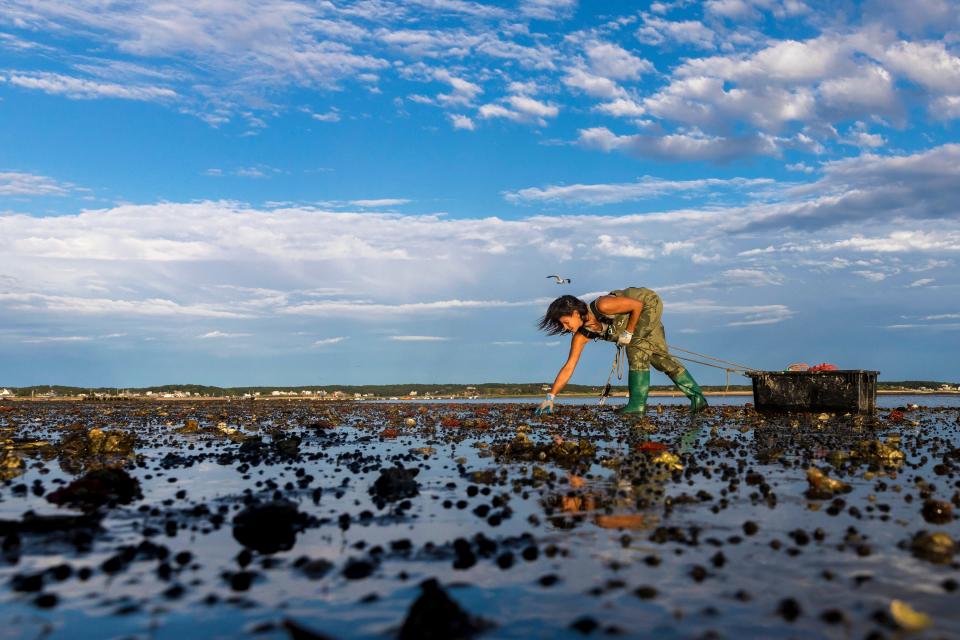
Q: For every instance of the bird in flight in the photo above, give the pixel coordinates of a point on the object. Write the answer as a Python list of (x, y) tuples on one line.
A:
[(561, 280)]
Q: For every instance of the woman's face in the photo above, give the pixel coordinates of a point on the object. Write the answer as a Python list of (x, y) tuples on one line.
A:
[(572, 322)]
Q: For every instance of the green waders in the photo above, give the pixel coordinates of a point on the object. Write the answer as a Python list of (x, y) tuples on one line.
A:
[(639, 385), (648, 347)]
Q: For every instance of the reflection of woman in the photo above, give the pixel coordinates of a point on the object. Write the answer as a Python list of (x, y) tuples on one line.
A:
[(631, 318)]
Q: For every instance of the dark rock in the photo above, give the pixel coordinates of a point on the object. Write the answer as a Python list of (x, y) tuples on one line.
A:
[(937, 511), (269, 527), (585, 625), (358, 569), (46, 600), (789, 609), (436, 616), (287, 447), (32, 523), (108, 486), (241, 580), (395, 483), (299, 632), (316, 569), (937, 547), (645, 592)]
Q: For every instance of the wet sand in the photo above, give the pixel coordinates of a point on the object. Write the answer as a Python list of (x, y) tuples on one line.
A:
[(276, 519)]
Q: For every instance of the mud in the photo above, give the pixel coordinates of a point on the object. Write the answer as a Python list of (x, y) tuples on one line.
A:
[(324, 520)]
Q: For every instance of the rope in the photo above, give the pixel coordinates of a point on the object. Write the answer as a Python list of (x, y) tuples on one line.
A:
[(618, 359), (736, 367), (620, 356)]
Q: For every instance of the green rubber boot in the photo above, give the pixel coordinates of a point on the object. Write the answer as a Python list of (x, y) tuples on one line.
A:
[(639, 385), (691, 389)]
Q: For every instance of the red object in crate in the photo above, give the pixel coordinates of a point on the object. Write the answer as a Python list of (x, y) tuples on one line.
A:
[(823, 366)]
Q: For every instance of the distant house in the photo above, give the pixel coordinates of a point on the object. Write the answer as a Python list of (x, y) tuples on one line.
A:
[(412, 393), (5, 392)]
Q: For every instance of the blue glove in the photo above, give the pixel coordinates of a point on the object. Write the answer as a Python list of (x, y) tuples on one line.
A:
[(546, 407)]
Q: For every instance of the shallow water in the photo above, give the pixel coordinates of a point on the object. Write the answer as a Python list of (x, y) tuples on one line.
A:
[(601, 523)]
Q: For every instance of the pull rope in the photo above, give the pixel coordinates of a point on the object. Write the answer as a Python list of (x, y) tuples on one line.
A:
[(620, 356), (736, 367), (617, 367)]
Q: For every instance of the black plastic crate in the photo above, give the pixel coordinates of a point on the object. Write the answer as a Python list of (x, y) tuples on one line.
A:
[(847, 390)]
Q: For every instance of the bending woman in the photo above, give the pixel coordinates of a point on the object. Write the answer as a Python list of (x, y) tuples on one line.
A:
[(629, 317)]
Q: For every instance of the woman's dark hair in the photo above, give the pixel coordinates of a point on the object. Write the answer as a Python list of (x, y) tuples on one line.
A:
[(562, 306)]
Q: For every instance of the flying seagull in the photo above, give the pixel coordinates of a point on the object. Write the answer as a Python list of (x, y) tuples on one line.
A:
[(561, 280)]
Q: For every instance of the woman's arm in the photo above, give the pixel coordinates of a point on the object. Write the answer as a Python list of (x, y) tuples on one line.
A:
[(577, 343), (613, 305)]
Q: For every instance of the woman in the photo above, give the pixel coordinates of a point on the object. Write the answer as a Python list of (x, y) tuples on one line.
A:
[(629, 317)]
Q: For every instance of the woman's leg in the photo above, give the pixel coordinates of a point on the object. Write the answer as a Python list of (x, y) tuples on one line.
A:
[(638, 381), (662, 360)]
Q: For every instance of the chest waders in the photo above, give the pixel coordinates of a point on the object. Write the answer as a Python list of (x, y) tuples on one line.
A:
[(648, 347)]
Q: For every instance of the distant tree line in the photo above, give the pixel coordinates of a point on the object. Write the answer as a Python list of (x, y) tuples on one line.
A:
[(389, 390)]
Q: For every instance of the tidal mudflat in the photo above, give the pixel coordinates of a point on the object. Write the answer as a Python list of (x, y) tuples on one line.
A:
[(311, 520)]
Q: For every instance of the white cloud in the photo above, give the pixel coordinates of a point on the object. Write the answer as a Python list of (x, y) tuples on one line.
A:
[(373, 309), (623, 248), (56, 339), (533, 108), (547, 9), (748, 314), (250, 172), (85, 89), (946, 107), (929, 64), (327, 341), (380, 202), (657, 31), (694, 145), (858, 136), (259, 171), (920, 186), (462, 122), (475, 9), (62, 304), (922, 282), (15, 183), (463, 94), (645, 187), (869, 90), (525, 109), (333, 115), (621, 108), (612, 61), (872, 276), (222, 334), (903, 241), (593, 85), (948, 326)]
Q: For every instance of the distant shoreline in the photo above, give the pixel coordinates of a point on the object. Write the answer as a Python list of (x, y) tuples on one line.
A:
[(654, 394)]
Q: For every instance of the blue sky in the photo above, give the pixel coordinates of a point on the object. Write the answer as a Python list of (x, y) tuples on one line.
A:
[(283, 192)]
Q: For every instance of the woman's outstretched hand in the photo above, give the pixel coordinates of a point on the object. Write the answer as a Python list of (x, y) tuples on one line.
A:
[(546, 407)]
